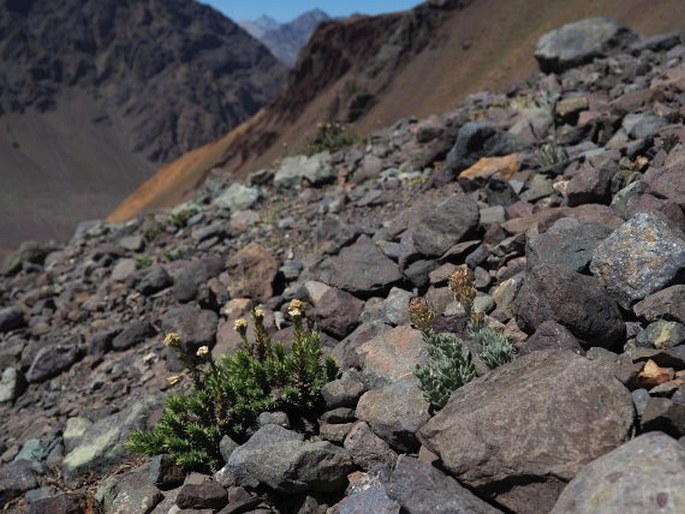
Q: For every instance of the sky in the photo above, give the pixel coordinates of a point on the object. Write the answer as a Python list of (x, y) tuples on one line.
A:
[(286, 10)]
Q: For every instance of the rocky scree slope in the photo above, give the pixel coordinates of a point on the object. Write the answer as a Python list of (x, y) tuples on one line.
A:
[(565, 197), (95, 94), (371, 72)]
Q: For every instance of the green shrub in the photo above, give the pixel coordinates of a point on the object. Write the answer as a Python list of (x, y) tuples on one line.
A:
[(333, 136), (230, 393), (447, 368), (179, 219), (144, 261)]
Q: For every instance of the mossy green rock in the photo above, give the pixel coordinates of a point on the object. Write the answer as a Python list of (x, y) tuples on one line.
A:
[(662, 334)]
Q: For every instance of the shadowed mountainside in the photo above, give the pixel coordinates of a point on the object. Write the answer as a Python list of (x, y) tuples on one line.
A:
[(374, 71), (95, 94)]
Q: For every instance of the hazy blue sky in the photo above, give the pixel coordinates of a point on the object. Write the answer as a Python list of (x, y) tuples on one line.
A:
[(286, 10)]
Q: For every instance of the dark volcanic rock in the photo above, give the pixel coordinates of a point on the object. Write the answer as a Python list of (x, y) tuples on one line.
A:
[(193, 275), (668, 304), (208, 495), (361, 269), (154, 281), (520, 433), (646, 474), (578, 302), (550, 335), (419, 488), (17, 478), (478, 139), (11, 318), (196, 326), (580, 42), (253, 270), (52, 360), (367, 449), (136, 332), (337, 312), (445, 225), (643, 256)]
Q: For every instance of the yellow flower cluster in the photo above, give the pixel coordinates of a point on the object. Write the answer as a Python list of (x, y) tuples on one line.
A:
[(421, 315), (172, 339), (461, 284), (295, 308)]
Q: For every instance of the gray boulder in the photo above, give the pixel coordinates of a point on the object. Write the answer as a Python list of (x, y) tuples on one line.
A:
[(445, 225), (196, 326), (578, 302), (337, 312), (361, 269), (521, 432), (578, 43), (366, 449), (280, 459), (477, 139), (395, 412), (11, 318), (300, 169), (668, 304), (135, 333), (641, 257), (421, 488), (188, 281), (12, 385), (646, 474), (52, 360)]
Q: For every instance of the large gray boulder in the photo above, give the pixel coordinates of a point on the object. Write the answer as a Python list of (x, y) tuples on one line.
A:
[(578, 302), (646, 474), (445, 225), (520, 433), (579, 43), (280, 459), (643, 256)]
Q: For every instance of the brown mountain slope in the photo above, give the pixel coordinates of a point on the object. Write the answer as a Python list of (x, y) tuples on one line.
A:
[(374, 71), (96, 94)]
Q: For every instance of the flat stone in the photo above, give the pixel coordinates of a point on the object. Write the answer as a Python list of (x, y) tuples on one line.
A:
[(12, 385), (646, 474), (135, 333), (337, 312), (578, 302), (578, 43), (545, 415), (208, 495), (667, 304), (279, 458), (643, 256), (395, 412), (570, 246), (252, 273), (391, 355), (361, 269), (445, 225), (11, 318), (420, 487), (123, 269), (52, 360)]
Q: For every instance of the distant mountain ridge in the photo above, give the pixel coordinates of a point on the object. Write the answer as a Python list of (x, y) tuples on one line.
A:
[(285, 40), (94, 94)]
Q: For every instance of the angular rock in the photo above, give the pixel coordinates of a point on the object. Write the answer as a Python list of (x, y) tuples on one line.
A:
[(361, 269), (12, 385), (646, 474), (196, 326), (11, 318), (478, 139), (102, 445), (208, 495), (237, 197), (578, 302), (52, 360), (367, 495), (391, 355), (294, 171), (396, 306), (280, 459), (668, 304), (131, 492), (445, 225), (570, 245), (337, 312), (664, 415), (643, 256), (661, 334), (366, 449), (252, 273), (135, 333), (155, 280), (123, 269), (343, 392), (592, 184), (578, 43), (17, 478), (667, 181), (395, 412), (520, 433), (420, 488), (65, 503), (550, 335), (188, 281)]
